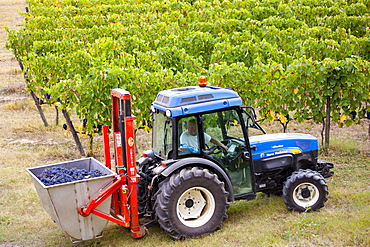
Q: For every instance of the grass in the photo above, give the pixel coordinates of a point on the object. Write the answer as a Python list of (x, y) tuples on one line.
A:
[(344, 221), (25, 143)]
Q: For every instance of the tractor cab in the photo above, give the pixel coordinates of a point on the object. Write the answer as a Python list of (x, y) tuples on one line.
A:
[(209, 124)]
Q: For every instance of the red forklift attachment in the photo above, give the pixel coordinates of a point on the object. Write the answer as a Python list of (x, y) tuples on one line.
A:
[(111, 197), (124, 208)]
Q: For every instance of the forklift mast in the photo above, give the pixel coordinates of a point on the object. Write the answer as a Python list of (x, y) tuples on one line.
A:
[(124, 159)]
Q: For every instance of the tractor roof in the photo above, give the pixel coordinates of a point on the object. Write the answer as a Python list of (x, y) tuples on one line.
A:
[(195, 99)]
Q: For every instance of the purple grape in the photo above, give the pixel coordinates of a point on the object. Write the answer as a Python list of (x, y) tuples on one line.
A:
[(60, 175)]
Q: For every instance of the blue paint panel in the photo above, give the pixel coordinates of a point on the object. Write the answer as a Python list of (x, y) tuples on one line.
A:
[(190, 100), (276, 144)]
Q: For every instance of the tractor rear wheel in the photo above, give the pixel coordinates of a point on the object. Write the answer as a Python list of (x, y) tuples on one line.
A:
[(191, 203), (305, 191)]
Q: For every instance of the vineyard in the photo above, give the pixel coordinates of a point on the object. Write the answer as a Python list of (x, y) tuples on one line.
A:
[(291, 59)]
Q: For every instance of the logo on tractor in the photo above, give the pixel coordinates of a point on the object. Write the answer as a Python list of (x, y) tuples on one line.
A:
[(277, 146)]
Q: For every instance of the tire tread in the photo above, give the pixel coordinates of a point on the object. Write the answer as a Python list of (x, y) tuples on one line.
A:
[(163, 198), (304, 175)]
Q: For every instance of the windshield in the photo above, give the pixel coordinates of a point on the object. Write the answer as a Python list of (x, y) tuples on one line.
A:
[(253, 128), (162, 134)]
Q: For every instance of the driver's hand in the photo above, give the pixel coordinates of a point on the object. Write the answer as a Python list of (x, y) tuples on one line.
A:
[(224, 147)]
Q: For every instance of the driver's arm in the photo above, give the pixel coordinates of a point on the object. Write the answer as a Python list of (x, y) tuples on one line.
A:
[(217, 142)]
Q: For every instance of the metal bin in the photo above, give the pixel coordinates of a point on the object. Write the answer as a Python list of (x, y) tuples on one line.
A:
[(61, 201)]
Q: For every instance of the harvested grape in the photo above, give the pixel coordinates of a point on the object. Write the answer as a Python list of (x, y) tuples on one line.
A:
[(60, 175)]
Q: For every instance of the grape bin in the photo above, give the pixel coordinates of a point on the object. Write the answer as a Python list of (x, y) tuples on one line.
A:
[(61, 201)]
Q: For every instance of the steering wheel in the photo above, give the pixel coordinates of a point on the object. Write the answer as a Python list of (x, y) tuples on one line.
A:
[(215, 147), (220, 149)]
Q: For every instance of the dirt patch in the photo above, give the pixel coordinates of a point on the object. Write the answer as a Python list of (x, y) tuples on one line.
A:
[(23, 141), (9, 98)]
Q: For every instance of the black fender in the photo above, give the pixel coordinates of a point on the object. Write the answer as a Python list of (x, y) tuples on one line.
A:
[(194, 161)]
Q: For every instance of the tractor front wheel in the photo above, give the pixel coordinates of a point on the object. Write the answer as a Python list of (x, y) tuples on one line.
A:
[(305, 190), (191, 203)]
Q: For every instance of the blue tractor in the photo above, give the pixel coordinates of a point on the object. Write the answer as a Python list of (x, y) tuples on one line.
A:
[(208, 150)]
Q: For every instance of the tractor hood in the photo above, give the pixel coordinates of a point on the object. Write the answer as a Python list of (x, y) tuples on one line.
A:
[(283, 143)]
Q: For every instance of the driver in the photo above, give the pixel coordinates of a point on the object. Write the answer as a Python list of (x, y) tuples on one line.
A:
[(189, 139)]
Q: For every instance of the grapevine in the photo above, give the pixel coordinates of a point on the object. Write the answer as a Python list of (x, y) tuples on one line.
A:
[(286, 57)]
